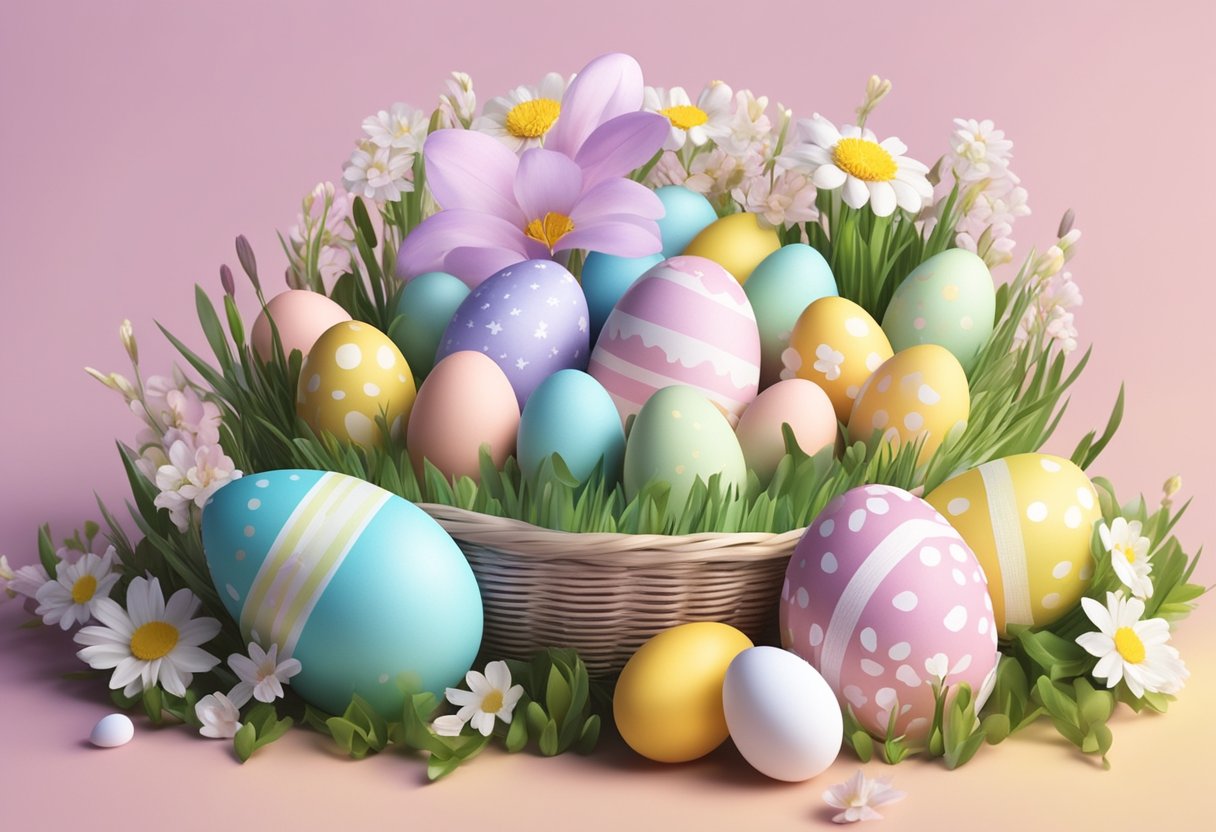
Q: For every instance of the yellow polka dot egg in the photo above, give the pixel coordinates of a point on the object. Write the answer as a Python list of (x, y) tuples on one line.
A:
[(353, 375), (1029, 519)]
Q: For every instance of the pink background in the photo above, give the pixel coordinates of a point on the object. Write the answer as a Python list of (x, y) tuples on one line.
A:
[(138, 139)]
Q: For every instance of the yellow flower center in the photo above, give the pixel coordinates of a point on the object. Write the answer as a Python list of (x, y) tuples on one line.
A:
[(492, 702), (865, 160), (153, 640), (550, 229), (1129, 645), (83, 589), (685, 116), (1129, 553), (532, 119)]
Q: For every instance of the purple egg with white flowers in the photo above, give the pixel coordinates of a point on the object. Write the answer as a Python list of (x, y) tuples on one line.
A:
[(530, 319), (883, 596)]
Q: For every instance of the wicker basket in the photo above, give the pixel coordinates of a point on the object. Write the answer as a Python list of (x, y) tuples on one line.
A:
[(605, 594)]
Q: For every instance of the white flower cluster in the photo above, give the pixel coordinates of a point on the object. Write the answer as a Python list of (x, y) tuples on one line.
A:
[(319, 245), (991, 197), (382, 166), (1056, 295)]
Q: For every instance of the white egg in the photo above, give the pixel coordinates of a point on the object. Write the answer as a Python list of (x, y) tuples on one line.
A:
[(783, 717), (112, 731)]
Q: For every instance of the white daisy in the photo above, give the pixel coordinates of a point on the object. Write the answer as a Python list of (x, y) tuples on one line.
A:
[(521, 118), (1128, 555), (221, 718), (980, 151), (867, 170), (150, 642), (828, 361), (490, 696), (69, 599), (399, 127), (1132, 650), (779, 201), (858, 795), (261, 674), (378, 173), (696, 123)]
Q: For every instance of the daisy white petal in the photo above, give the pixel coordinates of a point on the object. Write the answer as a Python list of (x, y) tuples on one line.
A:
[(1130, 649)]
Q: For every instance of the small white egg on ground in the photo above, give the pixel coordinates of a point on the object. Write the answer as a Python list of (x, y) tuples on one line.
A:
[(112, 731)]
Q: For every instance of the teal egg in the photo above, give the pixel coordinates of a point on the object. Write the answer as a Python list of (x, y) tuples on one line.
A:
[(424, 309), (571, 414), (687, 214), (360, 585), (785, 283), (948, 300), (605, 278)]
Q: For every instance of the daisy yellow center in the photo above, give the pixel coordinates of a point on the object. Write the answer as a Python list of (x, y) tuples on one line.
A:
[(550, 229), (864, 159), (491, 703), (1129, 645), (153, 640), (83, 589), (532, 119), (685, 116), (1129, 553)]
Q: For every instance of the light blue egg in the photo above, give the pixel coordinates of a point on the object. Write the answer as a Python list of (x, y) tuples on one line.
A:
[(605, 278), (785, 283), (424, 308), (687, 214), (357, 583), (571, 414)]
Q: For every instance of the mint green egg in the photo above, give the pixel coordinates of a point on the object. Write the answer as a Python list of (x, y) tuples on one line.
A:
[(424, 309), (679, 436), (572, 415), (785, 283), (948, 300)]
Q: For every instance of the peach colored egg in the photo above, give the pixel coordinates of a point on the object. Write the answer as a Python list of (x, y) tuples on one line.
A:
[(300, 317), (797, 402), (464, 403)]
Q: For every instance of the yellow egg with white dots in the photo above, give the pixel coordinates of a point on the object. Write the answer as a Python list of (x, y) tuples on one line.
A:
[(353, 375), (1029, 518)]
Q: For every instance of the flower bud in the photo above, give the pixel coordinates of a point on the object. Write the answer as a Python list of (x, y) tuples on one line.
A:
[(227, 282), (244, 253), (1066, 223), (127, 334)]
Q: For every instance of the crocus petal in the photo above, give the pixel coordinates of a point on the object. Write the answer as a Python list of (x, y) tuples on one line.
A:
[(473, 265), (547, 182), (427, 245), (618, 196), (470, 170), (621, 235), (621, 145), (609, 86)]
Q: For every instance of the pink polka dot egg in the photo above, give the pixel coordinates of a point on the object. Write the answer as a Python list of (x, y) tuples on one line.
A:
[(685, 321), (882, 596)]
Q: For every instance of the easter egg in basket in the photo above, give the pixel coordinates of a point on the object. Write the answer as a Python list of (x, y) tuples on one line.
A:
[(796, 402), (785, 283), (686, 214), (424, 308), (358, 584), (738, 242), (605, 278), (571, 415), (300, 317)]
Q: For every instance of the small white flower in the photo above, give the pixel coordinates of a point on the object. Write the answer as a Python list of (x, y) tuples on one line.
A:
[(858, 796), (695, 123), (749, 130), (6, 577), (980, 151), (717, 172), (779, 201), (221, 718), (449, 725), (150, 642), (26, 580), (490, 696), (1050, 315), (335, 237), (189, 479), (1129, 555), (668, 171), (1132, 650), (828, 361), (521, 118), (399, 127), (459, 103), (261, 674), (378, 173), (69, 599)]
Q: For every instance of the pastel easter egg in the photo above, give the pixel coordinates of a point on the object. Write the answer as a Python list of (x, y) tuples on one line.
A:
[(112, 731), (782, 716), (882, 596), (918, 395), (530, 319), (572, 415), (300, 317), (738, 242), (667, 703), (687, 213), (785, 283), (947, 300), (465, 402), (358, 584), (836, 344), (424, 308), (354, 374), (606, 278), (797, 402), (686, 321), (678, 437), (1029, 518)]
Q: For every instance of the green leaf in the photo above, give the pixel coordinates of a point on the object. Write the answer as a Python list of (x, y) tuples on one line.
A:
[(517, 735), (557, 696), (244, 742), (996, 728), (548, 739), (589, 736), (152, 701), (46, 551)]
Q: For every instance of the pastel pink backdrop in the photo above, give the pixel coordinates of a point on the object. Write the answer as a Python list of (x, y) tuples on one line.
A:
[(137, 139)]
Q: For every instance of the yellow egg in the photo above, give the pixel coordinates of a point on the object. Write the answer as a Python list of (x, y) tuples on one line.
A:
[(353, 375), (919, 392), (1029, 519), (836, 344), (668, 700), (736, 242)]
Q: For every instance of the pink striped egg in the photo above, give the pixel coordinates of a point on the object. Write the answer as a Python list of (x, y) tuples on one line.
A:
[(882, 596), (685, 321)]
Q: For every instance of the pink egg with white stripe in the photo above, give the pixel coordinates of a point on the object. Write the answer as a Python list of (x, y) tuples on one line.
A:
[(685, 321), (882, 596)]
